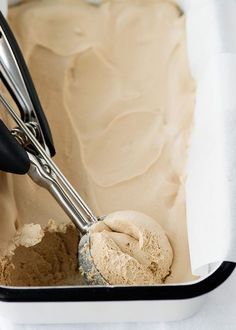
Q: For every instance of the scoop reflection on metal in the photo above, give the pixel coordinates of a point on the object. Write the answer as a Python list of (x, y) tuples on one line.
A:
[(87, 267), (35, 144)]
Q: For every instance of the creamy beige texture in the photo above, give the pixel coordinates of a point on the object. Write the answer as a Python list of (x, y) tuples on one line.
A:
[(131, 248), (47, 257), (115, 86)]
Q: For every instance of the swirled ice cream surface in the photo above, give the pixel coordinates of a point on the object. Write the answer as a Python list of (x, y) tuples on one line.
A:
[(116, 89)]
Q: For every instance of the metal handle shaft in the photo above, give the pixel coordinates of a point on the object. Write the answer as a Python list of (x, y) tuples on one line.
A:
[(40, 176)]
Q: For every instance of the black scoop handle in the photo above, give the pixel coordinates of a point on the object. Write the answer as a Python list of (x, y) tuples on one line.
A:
[(28, 83), (13, 157)]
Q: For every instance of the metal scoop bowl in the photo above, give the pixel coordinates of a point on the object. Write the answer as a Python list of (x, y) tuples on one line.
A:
[(87, 267)]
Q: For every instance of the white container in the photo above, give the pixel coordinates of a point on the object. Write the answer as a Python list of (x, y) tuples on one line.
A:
[(109, 304), (77, 304)]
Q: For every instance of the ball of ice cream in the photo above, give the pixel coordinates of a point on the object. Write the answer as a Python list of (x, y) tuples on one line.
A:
[(129, 247)]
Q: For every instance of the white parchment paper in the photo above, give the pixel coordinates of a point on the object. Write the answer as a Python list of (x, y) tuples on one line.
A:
[(211, 183)]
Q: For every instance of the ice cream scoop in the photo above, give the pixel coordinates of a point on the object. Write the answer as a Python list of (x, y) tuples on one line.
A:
[(126, 248), (29, 149), (149, 258)]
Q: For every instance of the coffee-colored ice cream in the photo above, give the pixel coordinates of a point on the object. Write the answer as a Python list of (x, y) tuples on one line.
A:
[(115, 86), (130, 248), (42, 257)]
